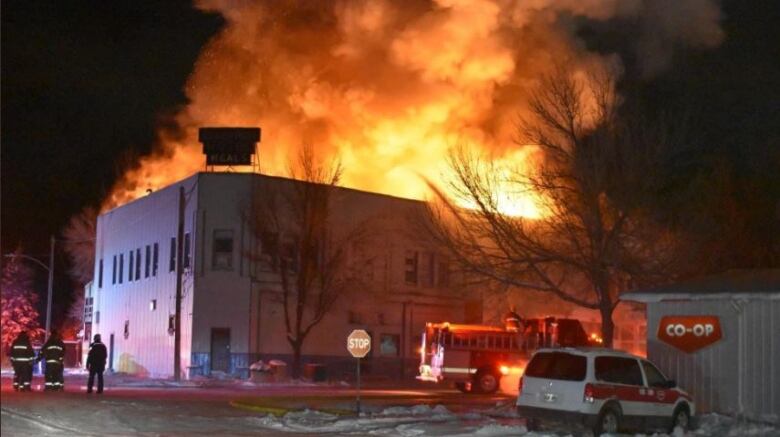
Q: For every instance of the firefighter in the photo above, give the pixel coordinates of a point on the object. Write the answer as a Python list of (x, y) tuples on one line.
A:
[(96, 364), (513, 321), (53, 352), (22, 358)]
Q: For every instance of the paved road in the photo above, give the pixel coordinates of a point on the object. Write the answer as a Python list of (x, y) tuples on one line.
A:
[(220, 410)]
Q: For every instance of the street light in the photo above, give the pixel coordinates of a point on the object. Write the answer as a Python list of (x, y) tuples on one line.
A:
[(50, 269)]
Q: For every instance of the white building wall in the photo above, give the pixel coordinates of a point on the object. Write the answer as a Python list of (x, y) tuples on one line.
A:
[(738, 375), (222, 299), (148, 349), (242, 299)]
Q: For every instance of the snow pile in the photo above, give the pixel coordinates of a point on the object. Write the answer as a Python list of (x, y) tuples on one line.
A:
[(424, 420), (417, 410), (403, 421), (720, 425), (260, 366)]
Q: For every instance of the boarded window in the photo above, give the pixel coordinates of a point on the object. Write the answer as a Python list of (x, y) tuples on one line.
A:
[(186, 250), (121, 266), (148, 259), (172, 264), (130, 266), (222, 256), (100, 273), (138, 264), (155, 258)]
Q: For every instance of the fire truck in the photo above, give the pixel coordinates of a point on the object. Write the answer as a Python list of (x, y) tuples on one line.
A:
[(476, 357)]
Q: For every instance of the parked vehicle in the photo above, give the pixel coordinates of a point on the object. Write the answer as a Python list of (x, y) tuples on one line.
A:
[(476, 357), (603, 390)]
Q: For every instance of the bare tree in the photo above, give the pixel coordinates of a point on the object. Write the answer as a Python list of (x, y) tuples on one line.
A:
[(593, 238), (303, 251), (79, 243)]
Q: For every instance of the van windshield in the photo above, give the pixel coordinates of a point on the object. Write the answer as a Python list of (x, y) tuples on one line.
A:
[(557, 365)]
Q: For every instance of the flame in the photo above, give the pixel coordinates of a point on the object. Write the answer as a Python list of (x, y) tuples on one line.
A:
[(388, 87)]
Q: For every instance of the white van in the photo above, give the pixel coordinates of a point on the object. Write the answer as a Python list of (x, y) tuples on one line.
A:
[(603, 390)]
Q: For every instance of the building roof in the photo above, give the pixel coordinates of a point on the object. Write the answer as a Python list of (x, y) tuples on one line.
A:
[(732, 284)]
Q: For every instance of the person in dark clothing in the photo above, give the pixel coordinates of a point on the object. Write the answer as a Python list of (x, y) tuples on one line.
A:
[(53, 352), (22, 358), (96, 364)]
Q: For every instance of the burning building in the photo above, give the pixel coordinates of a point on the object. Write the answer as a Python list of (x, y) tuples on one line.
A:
[(232, 311)]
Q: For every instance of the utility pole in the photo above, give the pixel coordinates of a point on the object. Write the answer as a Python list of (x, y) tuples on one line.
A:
[(50, 289), (179, 274)]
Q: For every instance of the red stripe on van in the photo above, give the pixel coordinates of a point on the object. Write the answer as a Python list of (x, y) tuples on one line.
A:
[(635, 393)]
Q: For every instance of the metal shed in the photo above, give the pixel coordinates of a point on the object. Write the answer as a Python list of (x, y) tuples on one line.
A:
[(736, 370)]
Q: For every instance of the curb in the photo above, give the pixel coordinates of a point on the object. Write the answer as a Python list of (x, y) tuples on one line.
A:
[(281, 411)]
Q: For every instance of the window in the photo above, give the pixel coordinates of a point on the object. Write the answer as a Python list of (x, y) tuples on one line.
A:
[(186, 250), (410, 264), (127, 329), (222, 258), (388, 345), (97, 316), (654, 376), (148, 260), (130, 267), (100, 273), (121, 266), (290, 256), (113, 271), (557, 365), (138, 264), (354, 318), (444, 272), (618, 370), (429, 269), (171, 324), (152, 304), (172, 266), (155, 259)]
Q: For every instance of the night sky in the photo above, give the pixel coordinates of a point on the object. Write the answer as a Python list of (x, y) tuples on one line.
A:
[(83, 86), (85, 83)]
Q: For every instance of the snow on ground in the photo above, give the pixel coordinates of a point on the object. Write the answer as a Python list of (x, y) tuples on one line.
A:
[(423, 420)]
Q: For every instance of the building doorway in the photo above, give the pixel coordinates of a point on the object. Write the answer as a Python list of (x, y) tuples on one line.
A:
[(220, 349)]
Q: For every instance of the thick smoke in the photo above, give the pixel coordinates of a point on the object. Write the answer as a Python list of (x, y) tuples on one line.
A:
[(390, 87)]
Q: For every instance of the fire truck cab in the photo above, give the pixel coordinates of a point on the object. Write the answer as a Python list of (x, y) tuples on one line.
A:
[(476, 357)]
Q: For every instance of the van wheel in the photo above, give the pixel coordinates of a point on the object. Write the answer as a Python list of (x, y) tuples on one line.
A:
[(608, 421), (486, 382), (681, 418)]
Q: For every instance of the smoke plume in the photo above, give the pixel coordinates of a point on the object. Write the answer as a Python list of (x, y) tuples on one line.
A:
[(390, 87)]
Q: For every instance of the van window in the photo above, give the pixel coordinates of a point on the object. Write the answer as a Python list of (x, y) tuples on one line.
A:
[(557, 365), (654, 377), (618, 370)]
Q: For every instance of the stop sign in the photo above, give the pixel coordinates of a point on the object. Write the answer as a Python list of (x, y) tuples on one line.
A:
[(359, 343)]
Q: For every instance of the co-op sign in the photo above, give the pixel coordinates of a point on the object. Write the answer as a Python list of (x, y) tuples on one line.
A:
[(689, 333)]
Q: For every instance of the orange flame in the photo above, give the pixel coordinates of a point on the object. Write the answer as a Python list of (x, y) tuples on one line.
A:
[(388, 87)]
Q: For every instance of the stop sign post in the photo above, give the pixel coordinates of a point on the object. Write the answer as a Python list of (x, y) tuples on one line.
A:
[(359, 345)]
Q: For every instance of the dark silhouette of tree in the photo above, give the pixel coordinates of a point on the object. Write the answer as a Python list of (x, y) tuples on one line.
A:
[(79, 243), (304, 253), (591, 180)]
